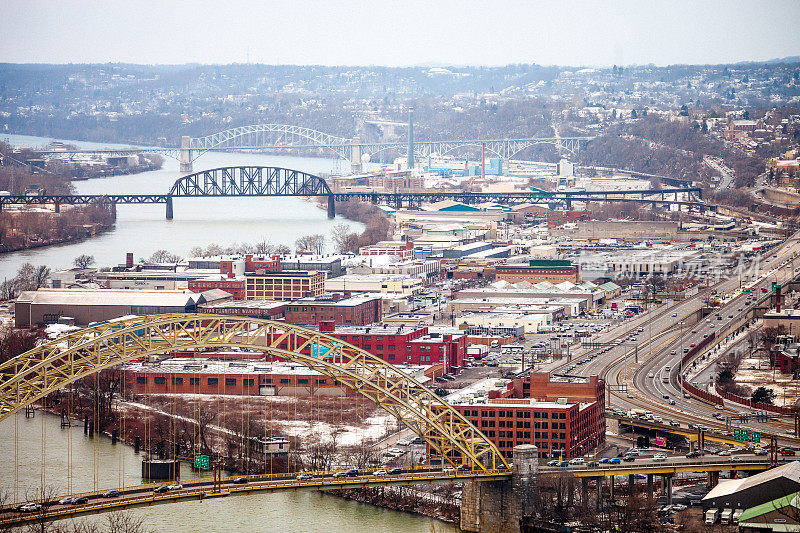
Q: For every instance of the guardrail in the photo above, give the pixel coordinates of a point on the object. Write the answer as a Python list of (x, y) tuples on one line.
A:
[(756, 405)]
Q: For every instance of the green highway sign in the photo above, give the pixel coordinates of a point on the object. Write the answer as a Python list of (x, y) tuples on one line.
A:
[(202, 462), (745, 435)]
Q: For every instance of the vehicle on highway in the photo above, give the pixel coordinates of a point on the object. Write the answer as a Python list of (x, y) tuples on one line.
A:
[(693, 455), (592, 464), (240, 480), (563, 464), (343, 473), (674, 423), (786, 451), (761, 451), (380, 472), (660, 457), (30, 507), (175, 486), (577, 461), (554, 462), (628, 457), (113, 493), (448, 470), (66, 501), (395, 471), (81, 500), (724, 453), (161, 490), (614, 461), (304, 476)]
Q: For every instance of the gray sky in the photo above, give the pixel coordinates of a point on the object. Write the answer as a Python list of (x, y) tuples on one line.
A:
[(596, 33)]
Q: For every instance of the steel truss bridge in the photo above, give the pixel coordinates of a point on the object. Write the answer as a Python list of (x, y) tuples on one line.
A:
[(261, 181), (261, 137), (30, 377)]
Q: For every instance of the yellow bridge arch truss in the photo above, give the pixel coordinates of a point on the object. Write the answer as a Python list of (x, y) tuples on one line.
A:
[(53, 365)]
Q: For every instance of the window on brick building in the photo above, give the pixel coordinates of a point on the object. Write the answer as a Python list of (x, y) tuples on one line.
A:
[(248, 381), (159, 380), (230, 381), (302, 380), (177, 381), (141, 380), (213, 381), (284, 380), (194, 381)]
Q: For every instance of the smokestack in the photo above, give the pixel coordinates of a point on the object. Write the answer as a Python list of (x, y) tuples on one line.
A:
[(410, 155), (129, 260)]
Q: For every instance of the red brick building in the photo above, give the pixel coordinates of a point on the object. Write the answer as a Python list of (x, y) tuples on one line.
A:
[(554, 271), (360, 310), (233, 285), (562, 418), (414, 346)]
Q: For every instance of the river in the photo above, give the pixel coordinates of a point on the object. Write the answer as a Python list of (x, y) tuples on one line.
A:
[(143, 229), (115, 465)]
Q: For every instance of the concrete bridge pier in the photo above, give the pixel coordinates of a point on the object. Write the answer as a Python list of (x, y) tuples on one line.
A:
[(355, 156), (631, 484), (598, 485), (585, 490), (186, 155), (499, 506), (713, 479), (331, 207), (649, 486), (668, 488), (169, 207), (611, 488), (57, 206)]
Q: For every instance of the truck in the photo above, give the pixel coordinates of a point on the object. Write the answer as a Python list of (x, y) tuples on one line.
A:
[(725, 516), (711, 516)]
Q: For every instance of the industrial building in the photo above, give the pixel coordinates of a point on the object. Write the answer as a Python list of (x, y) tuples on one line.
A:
[(263, 309), (358, 310), (284, 285), (747, 492), (402, 249), (552, 270), (47, 306), (379, 283), (331, 265), (563, 418)]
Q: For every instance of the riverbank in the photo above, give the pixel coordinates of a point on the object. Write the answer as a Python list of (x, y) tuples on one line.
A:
[(407, 500), (29, 230)]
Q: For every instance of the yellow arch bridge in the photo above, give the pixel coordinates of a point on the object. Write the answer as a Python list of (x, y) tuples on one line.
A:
[(49, 367)]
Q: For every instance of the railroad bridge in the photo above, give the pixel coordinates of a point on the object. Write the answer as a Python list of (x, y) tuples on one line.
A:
[(263, 181)]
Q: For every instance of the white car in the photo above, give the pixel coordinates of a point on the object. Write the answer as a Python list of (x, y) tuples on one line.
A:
[(660, 457), (175, 486), (448, 470), (577, 461), (380, 472)]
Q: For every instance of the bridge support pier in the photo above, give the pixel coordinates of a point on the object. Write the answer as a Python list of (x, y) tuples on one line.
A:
[(611, 488), (631, 484), (331, 207), (713, 479), (169, 208), (585, 491), (114, 210), (499, 506), (186, 154), (57, 207), (355, 156), (598, 486), (668, 488), (649, 486)]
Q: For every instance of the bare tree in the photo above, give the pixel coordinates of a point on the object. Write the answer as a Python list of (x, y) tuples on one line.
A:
[(163, 256), (83, 261), (343, 238), (314, 243), (121, 522)]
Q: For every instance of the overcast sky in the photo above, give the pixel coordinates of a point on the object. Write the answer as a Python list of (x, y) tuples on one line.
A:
[(375, 32)]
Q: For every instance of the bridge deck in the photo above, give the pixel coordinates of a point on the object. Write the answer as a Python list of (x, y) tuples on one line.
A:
[(143, 495)]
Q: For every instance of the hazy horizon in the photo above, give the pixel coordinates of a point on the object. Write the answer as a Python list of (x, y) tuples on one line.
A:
[(399, 34)]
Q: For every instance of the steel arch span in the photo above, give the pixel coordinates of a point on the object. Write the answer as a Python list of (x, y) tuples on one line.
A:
[(280, 135), (250, 181), (53, 365)]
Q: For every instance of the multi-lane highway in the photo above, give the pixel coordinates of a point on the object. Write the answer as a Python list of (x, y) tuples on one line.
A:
[(660, 338)]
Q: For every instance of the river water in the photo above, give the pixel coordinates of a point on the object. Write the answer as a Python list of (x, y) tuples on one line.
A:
[(96, 463), (143, 229)]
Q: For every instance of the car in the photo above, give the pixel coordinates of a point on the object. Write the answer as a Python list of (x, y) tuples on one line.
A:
[(633, 451), (672, 402), (666, 396), (305, 476), (343, 473), (66, 501), (463, 468), (786, 451), (563, 464), (674, 423), (81, 500), (614, 461), (693, 455), (577, 461), (554, 462), (175, 486), (113, 493), (724, 453), (736, 458), (240, 480), (161, 490), (674, 314), (628, 458), (395, 471), (352, 473), (694, 331), (630, 395), (660, 457), (30, 507), (448, 470), (380, 472), (592, 464)]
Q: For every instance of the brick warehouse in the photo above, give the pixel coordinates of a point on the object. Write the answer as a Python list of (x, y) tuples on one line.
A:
[(285, 285), (359, 310), (562, 418), (552, 270)]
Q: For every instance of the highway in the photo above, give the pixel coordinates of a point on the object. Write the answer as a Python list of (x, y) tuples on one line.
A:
[(664, 336)]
